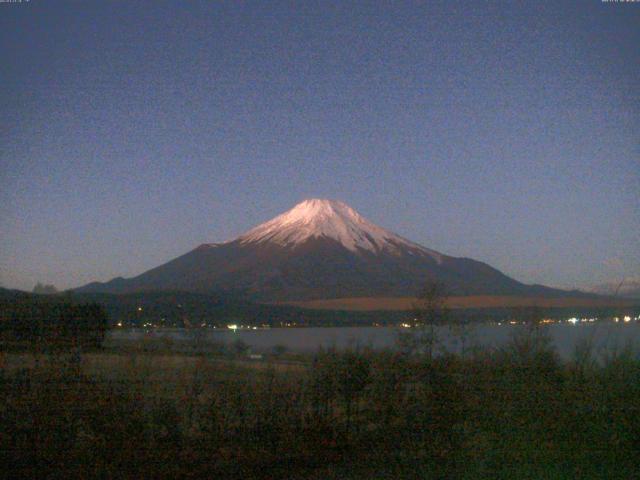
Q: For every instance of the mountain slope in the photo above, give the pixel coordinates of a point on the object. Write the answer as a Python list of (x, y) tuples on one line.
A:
[(319, 249)]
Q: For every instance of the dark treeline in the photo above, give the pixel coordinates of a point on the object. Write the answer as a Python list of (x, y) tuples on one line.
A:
[(42, 323), (516, 412), (183, 309)]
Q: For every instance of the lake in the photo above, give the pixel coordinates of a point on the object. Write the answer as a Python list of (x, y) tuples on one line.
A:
[(606, 336)]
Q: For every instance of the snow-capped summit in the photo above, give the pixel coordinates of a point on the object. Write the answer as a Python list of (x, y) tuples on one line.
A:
[(318, 218)]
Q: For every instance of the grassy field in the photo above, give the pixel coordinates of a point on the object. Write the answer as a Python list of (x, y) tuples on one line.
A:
[(518, 412), (472, 301)]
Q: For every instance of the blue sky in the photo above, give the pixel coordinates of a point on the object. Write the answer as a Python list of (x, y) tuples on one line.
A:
[(504, 132)]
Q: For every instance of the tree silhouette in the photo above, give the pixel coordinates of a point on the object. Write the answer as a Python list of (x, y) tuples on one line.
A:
[(430, 312)]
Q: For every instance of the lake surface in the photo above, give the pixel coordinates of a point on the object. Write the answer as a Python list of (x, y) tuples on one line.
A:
[(606, 336)]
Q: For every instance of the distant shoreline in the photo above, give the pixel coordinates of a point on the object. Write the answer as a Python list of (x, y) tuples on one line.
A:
[(459, 302)]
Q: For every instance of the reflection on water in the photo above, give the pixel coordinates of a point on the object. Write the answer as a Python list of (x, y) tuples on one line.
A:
[(605, 336)]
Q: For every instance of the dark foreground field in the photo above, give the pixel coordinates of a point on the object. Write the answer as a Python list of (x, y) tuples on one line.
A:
[(514, 413)]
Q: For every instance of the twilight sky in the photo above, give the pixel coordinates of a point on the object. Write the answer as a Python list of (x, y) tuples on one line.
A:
[(133, 131)]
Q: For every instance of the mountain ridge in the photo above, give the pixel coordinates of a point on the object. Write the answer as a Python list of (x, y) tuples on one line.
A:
[(320, 249)]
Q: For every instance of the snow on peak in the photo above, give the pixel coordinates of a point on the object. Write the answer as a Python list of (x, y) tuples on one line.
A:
[(333, 219)]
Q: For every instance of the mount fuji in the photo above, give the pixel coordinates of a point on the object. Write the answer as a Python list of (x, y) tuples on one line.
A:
[(320, 249)]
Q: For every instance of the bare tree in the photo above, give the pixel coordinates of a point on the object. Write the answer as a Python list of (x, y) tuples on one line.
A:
[(430, 312)]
